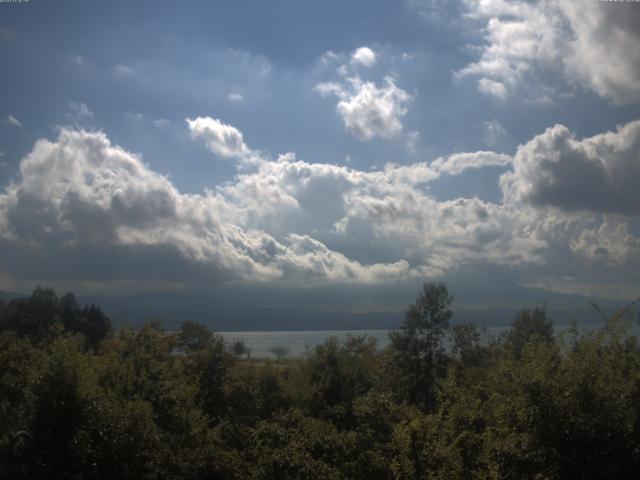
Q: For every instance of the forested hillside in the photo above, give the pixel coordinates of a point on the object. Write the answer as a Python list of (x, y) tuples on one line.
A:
[(79, 400)]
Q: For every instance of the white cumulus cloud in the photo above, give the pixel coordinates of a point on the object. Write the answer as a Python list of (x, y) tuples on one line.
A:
[(87, 205), (369, 110), (363, 56), (222, 139), (605, 47), (594, 44)]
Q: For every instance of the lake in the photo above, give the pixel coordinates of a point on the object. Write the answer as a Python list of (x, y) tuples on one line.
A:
[(297, 342)]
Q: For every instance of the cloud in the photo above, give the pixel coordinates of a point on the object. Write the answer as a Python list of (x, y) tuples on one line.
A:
[(222, 139), (521, 39), (494, 132), (367, 110), (597, 174), (134, 118), (82, 185), (161, 122), (100, 212), (123, 71), (457, 163), (78, 113), (13, 121), (81, 193), (328, 58), (609, 244), (492, 87), (412, 139), (528, 45), (382, 216), (605, 48), (235, 97), (363, 56), (306, 256)]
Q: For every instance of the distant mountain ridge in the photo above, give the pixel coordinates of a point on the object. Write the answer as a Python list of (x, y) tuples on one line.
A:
[(7, 296), (240, 310), (226, 313)]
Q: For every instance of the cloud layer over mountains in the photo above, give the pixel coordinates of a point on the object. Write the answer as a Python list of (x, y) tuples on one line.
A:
[(298, 223)]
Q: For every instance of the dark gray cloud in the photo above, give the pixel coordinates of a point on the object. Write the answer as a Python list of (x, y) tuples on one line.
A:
[(598, 174)]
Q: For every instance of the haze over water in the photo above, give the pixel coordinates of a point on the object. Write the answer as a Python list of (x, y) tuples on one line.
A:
[(297, 343)]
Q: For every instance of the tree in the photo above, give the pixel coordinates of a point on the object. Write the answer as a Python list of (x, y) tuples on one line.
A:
[(294, 446), (528, 327), (206, 361), (239, 349), (59, 406), (280, 351), (98, 325), (472, 350), (43, 317), (417, 346), (194, 336), (36, 317), (89, 321), (338, 373), (20, 364)]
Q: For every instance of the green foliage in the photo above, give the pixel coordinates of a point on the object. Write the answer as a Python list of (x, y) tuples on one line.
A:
[(34, 317), (147, 403), (253, 393), (529, 327), (20, 364), (60, 393), (194, 336), (209, 368), (295, 446), (280, 351), (43, 316), (338, 374), (240, 349), (418, 354)]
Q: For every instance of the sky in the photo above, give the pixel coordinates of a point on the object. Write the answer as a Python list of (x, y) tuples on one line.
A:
[(286, 146)]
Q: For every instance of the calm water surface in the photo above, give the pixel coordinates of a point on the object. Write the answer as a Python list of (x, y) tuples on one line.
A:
[(298, 342)]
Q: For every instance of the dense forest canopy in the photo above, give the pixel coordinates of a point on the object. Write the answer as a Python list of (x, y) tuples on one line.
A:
[(79, 400)]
